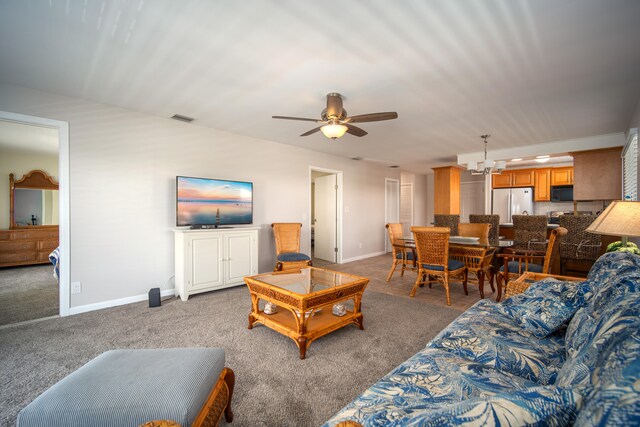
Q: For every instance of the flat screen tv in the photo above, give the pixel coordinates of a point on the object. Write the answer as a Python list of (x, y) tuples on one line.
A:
[(213, 202)]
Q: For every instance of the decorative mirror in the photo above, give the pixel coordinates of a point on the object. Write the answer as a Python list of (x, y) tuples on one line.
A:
[(33, 201)]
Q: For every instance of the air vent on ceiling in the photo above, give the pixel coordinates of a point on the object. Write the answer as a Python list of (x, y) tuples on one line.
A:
[(182, 118), (394, 166), (356, 158)]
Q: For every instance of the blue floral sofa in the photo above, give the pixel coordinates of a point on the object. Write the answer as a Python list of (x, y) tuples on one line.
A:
[(561, 353)]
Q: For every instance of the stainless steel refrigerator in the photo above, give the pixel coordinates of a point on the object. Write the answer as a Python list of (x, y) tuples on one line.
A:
[(512, 201)]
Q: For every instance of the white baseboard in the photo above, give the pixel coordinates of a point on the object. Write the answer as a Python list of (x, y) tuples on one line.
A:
[(116, 302), (360, 257)]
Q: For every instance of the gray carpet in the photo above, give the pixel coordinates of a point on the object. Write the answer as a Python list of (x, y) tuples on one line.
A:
[(27, 293), (273, 386)]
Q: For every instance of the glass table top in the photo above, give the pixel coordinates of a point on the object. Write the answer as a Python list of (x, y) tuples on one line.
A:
[(307, 281)]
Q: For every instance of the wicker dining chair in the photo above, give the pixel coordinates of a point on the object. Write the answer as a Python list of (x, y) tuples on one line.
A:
[(477, 259), (518, 262), (578, 245), (530, 232), (450, 221), (400, 255), (287, 237), (494, 220), (432, 246)]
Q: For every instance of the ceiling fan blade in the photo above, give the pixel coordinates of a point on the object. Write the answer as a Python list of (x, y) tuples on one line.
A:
[(309, 132), (354, 130), (373, 117), (334, 105), (296, 118)]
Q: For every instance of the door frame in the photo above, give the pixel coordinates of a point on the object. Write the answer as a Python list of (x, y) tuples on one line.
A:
[(339, 181), (387, 244), (63, 194)]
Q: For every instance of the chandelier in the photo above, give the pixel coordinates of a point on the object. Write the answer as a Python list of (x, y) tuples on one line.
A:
[(488, 166)]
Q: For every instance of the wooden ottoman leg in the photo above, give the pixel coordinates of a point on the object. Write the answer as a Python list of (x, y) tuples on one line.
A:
[(230, 379)]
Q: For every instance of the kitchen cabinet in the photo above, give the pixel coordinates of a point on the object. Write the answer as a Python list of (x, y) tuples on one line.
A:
[(542, 185), (562, 176), (513, 178), (502, 180), (522, 178)]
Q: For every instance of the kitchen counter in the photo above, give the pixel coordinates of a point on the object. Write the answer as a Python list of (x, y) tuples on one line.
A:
[(510, 224), (507, 231)]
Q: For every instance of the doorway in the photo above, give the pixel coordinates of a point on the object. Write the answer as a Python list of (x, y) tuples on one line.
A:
[(326, 221), (471, 199), (392, 207), (61, 131)]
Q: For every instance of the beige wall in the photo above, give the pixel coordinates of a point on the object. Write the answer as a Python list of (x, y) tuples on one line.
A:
[(123, 166), (19, 163)]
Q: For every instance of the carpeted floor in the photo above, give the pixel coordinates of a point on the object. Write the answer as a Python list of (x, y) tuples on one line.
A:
[(27, 293), (273, 386)]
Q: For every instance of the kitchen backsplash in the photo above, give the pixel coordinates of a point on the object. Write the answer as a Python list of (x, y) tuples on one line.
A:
[(544, 208)]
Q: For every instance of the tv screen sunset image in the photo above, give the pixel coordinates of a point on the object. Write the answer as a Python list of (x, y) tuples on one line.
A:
[(203, 201)]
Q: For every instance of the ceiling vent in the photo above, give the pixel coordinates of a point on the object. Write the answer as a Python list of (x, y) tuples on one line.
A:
[(394, 166), (182, 118), (356, 158)]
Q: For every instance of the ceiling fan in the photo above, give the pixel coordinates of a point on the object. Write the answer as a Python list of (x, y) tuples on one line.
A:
[(336, 122)]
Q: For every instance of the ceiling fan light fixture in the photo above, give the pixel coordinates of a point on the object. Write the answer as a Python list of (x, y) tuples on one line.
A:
[(334, 131)]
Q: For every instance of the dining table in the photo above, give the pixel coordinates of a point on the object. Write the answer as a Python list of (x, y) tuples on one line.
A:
[(456, 242)]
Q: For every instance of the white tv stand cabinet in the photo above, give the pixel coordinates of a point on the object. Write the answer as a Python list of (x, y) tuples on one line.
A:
[(210, 259)]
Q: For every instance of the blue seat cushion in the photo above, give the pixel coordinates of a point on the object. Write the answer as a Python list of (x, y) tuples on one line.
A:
[(453, 265), (293, 256), (409, 255), (516, 267)]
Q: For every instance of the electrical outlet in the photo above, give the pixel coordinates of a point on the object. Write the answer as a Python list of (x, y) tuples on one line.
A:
[(76, 287)]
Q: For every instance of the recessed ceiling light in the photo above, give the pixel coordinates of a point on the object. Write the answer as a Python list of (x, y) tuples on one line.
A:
[(542, 159), (516, 160), (545, 156)]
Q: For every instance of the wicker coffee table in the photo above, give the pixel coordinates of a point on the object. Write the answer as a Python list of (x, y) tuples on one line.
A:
[(305, 300)]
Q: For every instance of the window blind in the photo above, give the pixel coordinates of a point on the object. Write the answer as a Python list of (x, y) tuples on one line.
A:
[(630, 168)]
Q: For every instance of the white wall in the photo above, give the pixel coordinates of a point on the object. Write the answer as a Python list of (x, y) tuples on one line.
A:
[(19, 163), (122, 190)]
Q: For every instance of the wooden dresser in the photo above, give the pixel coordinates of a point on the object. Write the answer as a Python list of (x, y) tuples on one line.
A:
[(24, 246)]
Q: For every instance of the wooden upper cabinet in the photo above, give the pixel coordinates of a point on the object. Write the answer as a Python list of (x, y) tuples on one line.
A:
[(522, 178), (562, 176), (542, 187), (502, 180), (446, 190)]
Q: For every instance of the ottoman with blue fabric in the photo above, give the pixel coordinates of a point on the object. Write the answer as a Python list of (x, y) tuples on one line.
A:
[(131, 387)]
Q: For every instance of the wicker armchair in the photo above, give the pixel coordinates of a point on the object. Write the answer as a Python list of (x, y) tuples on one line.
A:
[(519, 262), (450, 221), (494, 220), (400, 255), (530, 232), (578, 245), (432, 246), (287, 237)]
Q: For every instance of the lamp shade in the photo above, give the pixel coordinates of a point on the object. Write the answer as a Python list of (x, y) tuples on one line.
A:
[(333, 131), (619, 219), (472, 166)]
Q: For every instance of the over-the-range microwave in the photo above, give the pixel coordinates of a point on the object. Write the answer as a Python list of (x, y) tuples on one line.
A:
[(562, 193)]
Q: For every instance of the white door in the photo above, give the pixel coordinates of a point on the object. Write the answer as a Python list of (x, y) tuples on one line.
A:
[(406, 207), (471, 199), (392, 209), (325, 199)]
